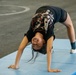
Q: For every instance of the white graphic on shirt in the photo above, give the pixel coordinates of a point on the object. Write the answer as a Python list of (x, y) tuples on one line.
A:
[(48, 20)]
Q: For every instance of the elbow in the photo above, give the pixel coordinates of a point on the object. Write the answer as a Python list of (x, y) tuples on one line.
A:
[(20, 48), (50, 50)]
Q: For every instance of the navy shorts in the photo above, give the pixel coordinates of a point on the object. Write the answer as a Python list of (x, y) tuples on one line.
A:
[(63, 16)]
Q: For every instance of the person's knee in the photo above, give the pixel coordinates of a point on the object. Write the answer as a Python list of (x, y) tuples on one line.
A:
[(69, 25)]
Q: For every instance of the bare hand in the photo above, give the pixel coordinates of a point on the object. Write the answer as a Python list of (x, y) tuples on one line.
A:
[(13, 67), (54, 70)]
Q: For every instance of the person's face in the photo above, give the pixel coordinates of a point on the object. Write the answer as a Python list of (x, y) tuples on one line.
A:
[(37, 43)]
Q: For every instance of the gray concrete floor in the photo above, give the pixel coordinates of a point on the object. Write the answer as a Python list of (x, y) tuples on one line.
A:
[(13, 27)]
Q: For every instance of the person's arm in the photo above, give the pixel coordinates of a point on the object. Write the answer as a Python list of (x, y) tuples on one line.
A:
[(19, 53), (49, 55)]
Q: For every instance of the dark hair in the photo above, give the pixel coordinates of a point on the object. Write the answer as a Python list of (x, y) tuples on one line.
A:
[(33, 56), (42, 51)]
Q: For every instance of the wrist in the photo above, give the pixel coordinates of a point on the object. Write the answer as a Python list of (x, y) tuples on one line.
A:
[(16, 65), (48, 69)]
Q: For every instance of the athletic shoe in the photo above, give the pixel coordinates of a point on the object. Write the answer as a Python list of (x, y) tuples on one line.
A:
[(72, 51)]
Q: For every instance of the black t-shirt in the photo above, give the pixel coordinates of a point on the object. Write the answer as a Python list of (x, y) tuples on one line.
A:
[(58, 15)]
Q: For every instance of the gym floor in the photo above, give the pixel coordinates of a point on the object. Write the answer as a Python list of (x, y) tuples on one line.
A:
[(15, 21)]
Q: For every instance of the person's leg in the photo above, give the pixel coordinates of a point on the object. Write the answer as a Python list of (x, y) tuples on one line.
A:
[(71, 32)]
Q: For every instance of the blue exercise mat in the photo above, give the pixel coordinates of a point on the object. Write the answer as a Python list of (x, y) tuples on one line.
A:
[(61, 59)]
